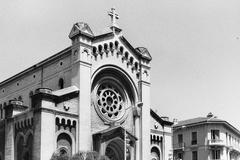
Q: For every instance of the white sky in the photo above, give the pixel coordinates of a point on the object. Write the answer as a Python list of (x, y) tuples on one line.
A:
[(195, 45)]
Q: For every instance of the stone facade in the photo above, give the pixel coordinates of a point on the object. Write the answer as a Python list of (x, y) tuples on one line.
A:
[(93, 95)]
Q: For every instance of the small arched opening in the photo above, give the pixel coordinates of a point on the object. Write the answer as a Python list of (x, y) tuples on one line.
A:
[(131, 60), (61, 83), (94, 50), (111, 45), (105, 46), (100, 48), (126, 55), (116, 44)]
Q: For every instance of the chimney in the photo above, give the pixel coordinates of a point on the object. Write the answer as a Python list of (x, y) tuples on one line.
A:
[(210, 115)]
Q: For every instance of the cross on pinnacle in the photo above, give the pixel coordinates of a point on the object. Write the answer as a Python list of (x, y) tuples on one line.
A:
[(113, 16)]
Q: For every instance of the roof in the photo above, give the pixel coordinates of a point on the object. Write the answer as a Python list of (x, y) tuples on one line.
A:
[(139, 51), (204, 120), (197, 120), (159, 119), (64, 91)]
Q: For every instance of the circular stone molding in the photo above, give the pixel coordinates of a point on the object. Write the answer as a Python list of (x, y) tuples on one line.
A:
[(110, 100)]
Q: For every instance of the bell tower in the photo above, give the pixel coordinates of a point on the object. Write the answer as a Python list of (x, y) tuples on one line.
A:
[(81, 36)]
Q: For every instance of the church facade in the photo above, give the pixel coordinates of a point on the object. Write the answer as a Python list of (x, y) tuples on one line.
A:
[(93, 95)]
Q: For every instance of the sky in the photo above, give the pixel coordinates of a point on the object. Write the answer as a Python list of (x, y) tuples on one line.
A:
[(195, 45)]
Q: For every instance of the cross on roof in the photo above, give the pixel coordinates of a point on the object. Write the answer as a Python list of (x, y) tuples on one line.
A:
[(113, 16)]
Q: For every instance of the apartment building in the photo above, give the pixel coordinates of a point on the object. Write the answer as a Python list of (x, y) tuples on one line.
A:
[(205, 138)]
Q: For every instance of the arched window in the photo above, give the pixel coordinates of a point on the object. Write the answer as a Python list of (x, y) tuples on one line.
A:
[(57, 120), (126, 55), (100, 48), (94, 50), (155, 153), (111, 45), (131, 60), (64, 144), (121, 49), (136, 65), (61, 83), (116, 44), (105, 46)]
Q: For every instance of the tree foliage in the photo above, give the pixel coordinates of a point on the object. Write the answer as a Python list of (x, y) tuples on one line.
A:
[(89, 155)]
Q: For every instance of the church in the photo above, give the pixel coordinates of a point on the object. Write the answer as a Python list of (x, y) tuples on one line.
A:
[(92, 96)]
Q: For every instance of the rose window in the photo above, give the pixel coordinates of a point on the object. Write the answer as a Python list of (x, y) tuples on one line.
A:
[(110, 101)]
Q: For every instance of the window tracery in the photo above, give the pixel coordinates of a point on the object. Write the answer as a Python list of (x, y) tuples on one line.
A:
[(110, 99)]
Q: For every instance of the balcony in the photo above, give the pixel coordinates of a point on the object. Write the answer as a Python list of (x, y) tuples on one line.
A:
[(235, 148), (215, 142), (179, 146)]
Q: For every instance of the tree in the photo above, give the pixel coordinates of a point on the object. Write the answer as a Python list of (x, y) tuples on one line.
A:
[(59, 156), (88, 155)]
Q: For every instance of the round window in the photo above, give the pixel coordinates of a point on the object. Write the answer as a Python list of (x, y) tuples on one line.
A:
[(110, 100)]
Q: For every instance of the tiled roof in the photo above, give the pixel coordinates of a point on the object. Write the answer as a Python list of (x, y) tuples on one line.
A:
[(203, 120), (197, 120)]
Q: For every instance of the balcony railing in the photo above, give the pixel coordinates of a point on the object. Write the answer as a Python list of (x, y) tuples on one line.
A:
[(178, 146), (214, 142)]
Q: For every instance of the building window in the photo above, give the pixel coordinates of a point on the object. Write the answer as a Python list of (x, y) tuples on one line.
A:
[(216, 154), (194, 138), (180, 138), (215, 134), (61, 83), (194, 155)]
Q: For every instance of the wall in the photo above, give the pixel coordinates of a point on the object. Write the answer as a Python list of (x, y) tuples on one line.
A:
[(45, 76)]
